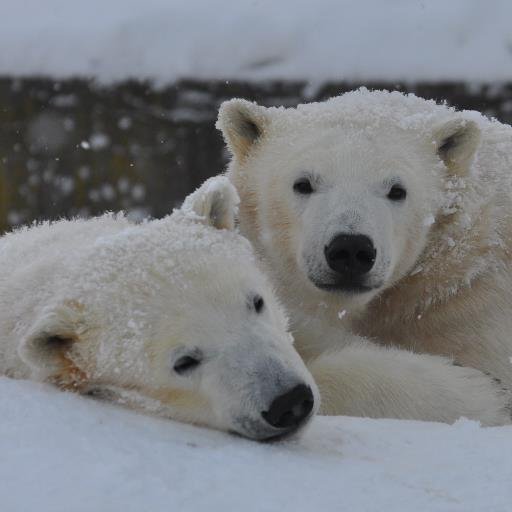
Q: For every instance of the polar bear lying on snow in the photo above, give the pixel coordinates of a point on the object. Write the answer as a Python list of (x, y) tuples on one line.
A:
[(171, 316), (388, 218)]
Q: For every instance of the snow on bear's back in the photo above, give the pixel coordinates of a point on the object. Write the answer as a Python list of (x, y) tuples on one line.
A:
[(75, 258), (177, 264), (376, 109), (28, 244), (37, 261), (168, 248)]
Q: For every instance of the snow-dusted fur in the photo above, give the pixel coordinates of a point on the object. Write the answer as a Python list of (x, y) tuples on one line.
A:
[(429, 334), (109, 308)]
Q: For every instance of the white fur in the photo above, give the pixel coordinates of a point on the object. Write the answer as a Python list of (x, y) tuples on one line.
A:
[(106, 307), (441, 283)]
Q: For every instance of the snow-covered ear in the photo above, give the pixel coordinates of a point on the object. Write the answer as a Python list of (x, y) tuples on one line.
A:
[(456, 143), (242, 124), (46, 349), (214, 203)]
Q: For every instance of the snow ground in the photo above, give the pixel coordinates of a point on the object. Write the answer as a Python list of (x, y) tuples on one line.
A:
[(61, 452), (258, 39)]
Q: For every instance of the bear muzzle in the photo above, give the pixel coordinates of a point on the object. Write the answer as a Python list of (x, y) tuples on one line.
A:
[(287, 413), (350, 258)]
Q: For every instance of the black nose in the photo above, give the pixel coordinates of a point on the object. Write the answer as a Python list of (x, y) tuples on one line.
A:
[(290, 409), (352, 255)]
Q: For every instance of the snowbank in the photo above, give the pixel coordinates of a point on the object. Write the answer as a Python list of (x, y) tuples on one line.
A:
[(263, 39), (61, 452)]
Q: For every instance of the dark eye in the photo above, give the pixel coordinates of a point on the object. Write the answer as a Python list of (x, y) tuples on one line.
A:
[(303, 186), (186, 364), (258, 303), (397, 193)]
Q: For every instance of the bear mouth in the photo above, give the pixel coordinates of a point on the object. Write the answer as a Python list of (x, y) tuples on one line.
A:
[(351, 287), (252, 429), (266, 437)]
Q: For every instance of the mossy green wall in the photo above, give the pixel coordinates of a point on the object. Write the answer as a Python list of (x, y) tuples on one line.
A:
[(76, 148)]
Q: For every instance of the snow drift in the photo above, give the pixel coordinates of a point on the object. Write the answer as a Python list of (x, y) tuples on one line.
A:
[(62, 452)]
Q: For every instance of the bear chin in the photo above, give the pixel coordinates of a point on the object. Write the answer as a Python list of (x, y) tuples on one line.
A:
[(348, 288)]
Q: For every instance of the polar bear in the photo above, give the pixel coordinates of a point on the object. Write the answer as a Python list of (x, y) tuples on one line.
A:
[(170, 316), (385, 222)]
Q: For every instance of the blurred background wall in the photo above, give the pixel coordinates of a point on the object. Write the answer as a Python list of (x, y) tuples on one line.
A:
[(109, 106)]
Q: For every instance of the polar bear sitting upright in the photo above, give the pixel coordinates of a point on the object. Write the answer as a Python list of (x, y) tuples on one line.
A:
[(388, 218), (170, 316)]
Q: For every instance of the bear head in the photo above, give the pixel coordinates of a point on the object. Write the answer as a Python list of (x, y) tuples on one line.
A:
[(174, 317), (342, 197)]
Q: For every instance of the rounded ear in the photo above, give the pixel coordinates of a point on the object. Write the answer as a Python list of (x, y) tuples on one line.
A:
[(215, 203), (456, 143), (46, 348), (242, 124)]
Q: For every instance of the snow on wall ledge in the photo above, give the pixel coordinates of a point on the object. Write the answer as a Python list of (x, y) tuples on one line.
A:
[(165, 40), (63, 452)]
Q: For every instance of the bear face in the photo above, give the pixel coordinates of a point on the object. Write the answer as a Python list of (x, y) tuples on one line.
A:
[(337, 202), (174, 317), (235, 358)]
